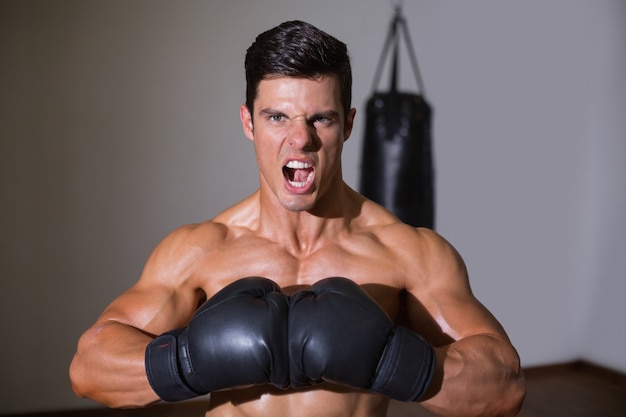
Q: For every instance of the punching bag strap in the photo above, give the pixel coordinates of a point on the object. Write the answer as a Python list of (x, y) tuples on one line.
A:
[(394, 69), (393, 39)]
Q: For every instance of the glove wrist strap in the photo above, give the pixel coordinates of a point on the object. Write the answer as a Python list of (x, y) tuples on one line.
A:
[(162, 369), (406, 368)]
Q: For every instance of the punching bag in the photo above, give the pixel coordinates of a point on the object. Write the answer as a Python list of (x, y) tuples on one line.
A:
[(397, 165)]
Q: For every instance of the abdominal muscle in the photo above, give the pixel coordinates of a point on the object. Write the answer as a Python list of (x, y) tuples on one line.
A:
[(320, 400)]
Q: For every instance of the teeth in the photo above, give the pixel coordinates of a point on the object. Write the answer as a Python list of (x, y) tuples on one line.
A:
[(298, 184), (298, 165)]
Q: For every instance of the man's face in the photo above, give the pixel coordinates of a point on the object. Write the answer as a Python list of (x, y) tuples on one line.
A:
[(298, 131)]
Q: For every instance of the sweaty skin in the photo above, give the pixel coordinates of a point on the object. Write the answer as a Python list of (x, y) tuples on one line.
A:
[(304, 224)]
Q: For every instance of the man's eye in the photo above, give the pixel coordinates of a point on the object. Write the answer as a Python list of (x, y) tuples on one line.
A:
[(276, 117), (323, 120)]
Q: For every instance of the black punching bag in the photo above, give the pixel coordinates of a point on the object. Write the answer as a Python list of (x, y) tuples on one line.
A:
[(397, 166)]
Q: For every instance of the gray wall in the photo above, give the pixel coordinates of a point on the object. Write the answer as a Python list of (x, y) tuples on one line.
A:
[(119, 122)]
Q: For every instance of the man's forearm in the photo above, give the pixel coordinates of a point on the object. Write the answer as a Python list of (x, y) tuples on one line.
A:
[(109, 366), (477, 376)]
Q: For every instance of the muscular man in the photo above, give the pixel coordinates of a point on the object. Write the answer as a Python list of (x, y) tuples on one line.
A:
[(245, 306)]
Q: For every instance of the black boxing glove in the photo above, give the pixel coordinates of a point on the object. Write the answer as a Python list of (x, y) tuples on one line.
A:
[(236, 338), (337, 333)]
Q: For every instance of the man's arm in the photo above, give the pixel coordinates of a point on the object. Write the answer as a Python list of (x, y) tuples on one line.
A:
[(478, 373), (108, 366)]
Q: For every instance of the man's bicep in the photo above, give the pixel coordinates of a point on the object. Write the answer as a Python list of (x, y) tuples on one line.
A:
[(163, 298), (160, 301), (462, 315), (152, 310), (445, 309)]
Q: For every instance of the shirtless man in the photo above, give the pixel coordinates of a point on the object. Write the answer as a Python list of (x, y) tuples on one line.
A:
[(402, 324)]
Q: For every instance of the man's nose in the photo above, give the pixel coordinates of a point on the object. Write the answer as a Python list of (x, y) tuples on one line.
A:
[(301, 133)]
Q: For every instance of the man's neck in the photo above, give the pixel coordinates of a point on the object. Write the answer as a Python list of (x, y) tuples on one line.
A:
[(304, 232)]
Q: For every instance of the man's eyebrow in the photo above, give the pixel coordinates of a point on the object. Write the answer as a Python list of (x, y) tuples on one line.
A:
[(331, 114), (271, 112)]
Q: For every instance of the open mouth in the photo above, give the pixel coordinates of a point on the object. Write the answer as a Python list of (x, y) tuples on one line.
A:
[(298, 173)]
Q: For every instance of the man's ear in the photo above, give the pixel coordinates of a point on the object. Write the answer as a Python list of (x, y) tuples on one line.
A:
[(246, 122), (349, 124)]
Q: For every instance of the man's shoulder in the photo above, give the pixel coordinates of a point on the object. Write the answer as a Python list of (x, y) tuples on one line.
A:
[(409, 242), (386, 226), (232, 221), (190, 242), (413, 248), (195, 233)]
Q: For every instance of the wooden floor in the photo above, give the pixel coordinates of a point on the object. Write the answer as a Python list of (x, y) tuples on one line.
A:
[(577, 389)]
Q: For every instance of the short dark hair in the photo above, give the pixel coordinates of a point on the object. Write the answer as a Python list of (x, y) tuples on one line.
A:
[(297, 49)]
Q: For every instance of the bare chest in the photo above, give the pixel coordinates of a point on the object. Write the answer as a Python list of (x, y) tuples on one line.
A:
[(373, 267), (264, 400)]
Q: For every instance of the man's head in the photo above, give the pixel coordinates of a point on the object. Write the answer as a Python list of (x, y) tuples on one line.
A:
[(297, 49)]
